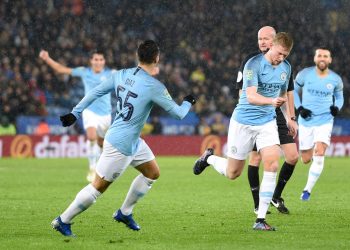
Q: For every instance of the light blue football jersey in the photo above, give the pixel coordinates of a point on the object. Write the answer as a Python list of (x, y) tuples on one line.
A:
[(317, 94), (136, 92), (101, 106), (270, 82)]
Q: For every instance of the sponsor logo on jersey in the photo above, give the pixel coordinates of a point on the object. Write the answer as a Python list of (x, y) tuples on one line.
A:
[(249, 74)]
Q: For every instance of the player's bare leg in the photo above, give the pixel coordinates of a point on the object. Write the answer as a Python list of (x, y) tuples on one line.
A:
[(231, 168)]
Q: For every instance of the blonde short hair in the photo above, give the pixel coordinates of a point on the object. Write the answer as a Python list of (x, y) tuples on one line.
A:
[(283, 39)]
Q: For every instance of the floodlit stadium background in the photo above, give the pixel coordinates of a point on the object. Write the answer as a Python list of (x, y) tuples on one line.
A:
[(202, 45)]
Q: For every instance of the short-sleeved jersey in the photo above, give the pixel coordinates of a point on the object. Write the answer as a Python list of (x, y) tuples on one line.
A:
[(318, 94), (136, 92), (101, 106), (270, 81), (239, 81)]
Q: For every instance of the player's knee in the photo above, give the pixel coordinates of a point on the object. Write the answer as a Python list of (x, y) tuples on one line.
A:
[(233, 174), (320, 152), (100, 184), (293, 158), (254, 162), (254, 159), (271, 166), (305, 160), (153, 175), (91, 138)]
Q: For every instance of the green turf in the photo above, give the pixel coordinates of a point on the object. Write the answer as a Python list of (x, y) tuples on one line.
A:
[(182, 211)]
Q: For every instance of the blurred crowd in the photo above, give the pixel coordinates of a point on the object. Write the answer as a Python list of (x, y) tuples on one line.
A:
[(202, 43)]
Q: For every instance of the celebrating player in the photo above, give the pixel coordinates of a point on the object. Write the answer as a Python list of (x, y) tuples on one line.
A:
[(321, 90), (265, 81), (265, 38), (136, 91), (96, 117)]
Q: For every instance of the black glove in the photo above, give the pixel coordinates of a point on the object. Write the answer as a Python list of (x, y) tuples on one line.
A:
[(334, 110), (190, 99), (305, 113), (67, 119)]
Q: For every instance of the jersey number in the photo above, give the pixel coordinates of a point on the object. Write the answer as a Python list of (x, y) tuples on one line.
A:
[(125, 104)]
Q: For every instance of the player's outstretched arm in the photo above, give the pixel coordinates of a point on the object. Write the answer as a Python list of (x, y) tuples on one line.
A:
[(57, 67), (180, 111), (191, 99), (68, 119), (101, 89), (164, 100)]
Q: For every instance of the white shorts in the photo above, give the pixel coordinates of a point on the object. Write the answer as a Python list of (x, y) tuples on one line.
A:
[(100, 122), (113, 163), (308, 136), (241, 138)]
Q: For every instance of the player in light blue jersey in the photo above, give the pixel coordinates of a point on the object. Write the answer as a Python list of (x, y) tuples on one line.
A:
[(265, 81), (137, 91), (96, 117), (321, 92), (287, 143)]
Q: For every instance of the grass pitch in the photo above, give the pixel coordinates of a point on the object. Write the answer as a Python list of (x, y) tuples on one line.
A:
[(181, 211)]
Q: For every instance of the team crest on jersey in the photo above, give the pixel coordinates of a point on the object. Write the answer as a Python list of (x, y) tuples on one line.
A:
[(249, 74), (329, 86), (233, 149), (167, 95), (103, 78), (283, 76)]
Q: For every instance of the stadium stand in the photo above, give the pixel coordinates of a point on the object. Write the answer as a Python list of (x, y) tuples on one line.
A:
[(203, 43)]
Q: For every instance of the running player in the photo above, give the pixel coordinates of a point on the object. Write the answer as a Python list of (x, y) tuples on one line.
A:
[(321, 92), (96, 117), (288, 146), (265, 82), (136, 92)]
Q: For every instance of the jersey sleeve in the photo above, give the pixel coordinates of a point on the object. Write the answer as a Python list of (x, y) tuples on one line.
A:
[(79, 71), (251, 73), (291, 82), (239, 80), (300, 78), (162, 98), (298, 85), (285, 88), (103, 88), (338, 94)]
